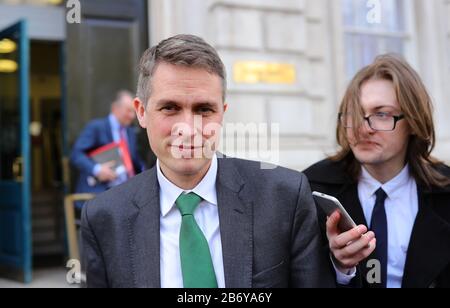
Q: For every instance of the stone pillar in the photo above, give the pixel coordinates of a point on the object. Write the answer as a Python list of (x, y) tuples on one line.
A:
[(434, 65)]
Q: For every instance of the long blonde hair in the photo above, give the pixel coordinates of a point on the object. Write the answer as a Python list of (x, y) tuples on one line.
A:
[(416, 105)]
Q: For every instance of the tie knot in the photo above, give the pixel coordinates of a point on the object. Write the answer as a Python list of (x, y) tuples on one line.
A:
[(187, 203), (381, 195)]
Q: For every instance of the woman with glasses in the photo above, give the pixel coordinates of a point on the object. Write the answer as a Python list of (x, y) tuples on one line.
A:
[(389, 183)]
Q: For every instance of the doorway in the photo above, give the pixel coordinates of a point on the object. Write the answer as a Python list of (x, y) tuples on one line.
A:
[(46, 133), (31, 148)]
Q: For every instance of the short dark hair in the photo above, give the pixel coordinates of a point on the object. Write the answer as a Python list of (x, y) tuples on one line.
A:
[(185, 50), (120, 94)]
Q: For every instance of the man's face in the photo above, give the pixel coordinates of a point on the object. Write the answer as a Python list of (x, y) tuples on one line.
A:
[(124, 110), (183, 117), (375, 148)]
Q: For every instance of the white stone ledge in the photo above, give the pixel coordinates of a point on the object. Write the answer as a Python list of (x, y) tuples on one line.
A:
[(284, 5)]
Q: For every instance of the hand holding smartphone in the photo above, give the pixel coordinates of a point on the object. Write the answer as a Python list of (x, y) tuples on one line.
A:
[(329, 205)]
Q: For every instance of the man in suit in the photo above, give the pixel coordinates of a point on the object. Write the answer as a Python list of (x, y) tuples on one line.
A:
[(198, 219), (386, 179), (116, 127)]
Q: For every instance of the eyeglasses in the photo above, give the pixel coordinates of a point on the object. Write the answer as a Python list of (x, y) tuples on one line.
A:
[(379, 121)]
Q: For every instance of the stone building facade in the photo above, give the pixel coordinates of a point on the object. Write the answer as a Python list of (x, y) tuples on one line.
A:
[(324, 42)]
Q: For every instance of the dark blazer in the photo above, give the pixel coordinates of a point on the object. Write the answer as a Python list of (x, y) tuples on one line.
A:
[(96, 134), (268, 224), (428, 256)]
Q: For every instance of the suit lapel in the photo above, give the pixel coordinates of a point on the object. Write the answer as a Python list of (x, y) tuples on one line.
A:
[(108, 130), (144, 232), (350, 200), (131, 141), (236, 226), (429, 248)]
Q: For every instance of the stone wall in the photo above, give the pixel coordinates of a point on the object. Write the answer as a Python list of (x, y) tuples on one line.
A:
[(307, 36)]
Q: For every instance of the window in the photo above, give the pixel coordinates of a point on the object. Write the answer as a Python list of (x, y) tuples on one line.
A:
[(372, 28)]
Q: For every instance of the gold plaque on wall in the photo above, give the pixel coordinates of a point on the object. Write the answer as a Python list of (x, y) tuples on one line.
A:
[(264, 72)]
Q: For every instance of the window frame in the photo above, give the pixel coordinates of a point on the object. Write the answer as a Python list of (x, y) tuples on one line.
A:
[(409, 35)]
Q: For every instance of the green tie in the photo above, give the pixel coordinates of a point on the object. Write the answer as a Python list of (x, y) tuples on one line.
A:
[(196, 262)]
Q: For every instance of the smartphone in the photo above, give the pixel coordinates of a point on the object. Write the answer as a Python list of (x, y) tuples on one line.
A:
[(329, 205)]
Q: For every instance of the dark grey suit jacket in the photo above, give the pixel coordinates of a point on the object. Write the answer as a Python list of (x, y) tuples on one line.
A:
[(268, 225)]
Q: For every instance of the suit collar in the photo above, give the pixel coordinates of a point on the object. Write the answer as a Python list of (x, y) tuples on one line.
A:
[(328, 172), (334, 172), (228, 174), (108, 129), (114, 128), (113, 122), (429, 248), (435, 190), (349, 196), (445, 171), (144, 231), (236, 225)]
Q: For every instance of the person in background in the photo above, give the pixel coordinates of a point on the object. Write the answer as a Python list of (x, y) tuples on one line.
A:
[(116, 127), (385, 177)]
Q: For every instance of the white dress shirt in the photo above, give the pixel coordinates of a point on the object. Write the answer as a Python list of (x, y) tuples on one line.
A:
[(401, 206), (207, 217)]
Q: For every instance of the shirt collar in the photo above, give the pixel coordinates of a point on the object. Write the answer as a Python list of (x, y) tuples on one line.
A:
[(115, 125), (206, 189), (370, 185)]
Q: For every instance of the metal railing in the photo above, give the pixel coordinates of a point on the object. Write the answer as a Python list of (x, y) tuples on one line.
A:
[(71, 226)]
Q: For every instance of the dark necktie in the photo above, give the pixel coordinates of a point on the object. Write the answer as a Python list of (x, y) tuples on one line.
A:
[(379, 227)]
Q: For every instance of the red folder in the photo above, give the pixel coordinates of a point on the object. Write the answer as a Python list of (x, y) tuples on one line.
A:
[(114, 151)]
